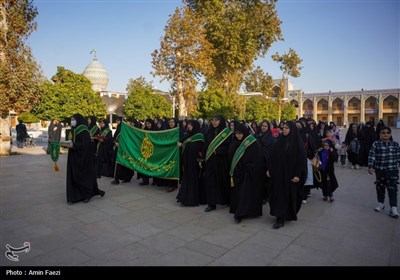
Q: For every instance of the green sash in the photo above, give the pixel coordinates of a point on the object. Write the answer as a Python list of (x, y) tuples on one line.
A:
[(93, 130), (240, 152), (79, 129), (194, 138), (217, 141)]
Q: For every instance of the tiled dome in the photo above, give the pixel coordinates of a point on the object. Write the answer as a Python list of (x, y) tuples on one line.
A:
[(97, 74)]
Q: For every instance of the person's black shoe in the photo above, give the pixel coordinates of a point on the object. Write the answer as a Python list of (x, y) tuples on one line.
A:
[(238, 220), (115, 182), (210, 208), (126, 181), (102, 193), (278, 225)]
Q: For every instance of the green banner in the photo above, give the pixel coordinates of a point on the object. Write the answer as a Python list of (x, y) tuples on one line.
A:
[(153, 153), (54, 150)]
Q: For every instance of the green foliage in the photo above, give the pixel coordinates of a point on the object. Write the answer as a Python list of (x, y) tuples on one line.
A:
[(69, 94), (239, 32), (258, 81), (290, 63), (184, 55), (143, 103), (20, 76), (288, 112), (259, 108), (28, 117), (212, 102)]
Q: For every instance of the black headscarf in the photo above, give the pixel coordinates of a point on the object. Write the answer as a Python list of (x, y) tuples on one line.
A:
[(196, 127), (93, 121), (79, 120), (239, 127)]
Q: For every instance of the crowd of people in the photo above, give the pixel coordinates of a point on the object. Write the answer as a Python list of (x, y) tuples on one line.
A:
[(243, 166)]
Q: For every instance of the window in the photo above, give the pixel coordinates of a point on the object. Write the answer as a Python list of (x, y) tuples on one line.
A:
[(324, 106), (355, 105), (390, 104)]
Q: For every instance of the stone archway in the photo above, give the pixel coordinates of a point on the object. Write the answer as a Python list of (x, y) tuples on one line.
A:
[(390, 108)]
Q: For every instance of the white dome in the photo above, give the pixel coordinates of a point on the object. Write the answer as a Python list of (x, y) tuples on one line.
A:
[(97, 74)]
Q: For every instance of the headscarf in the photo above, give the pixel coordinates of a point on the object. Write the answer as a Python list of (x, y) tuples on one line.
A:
[(79, 120), (93, 121)]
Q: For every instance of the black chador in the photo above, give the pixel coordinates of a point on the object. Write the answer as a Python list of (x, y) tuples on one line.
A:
[(105, 151), (288, 171), (246, 173), (120, 172), (81, 176), (216, 169), (189, 192)]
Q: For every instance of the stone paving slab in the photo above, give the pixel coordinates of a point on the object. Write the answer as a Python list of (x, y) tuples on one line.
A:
[(136, 225)]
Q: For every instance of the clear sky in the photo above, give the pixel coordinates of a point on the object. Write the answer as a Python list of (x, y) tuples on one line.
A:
[(345, 45)]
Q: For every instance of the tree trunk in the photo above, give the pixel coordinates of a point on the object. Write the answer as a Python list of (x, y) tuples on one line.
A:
[(5, 137), (181, 99), (3, 32)]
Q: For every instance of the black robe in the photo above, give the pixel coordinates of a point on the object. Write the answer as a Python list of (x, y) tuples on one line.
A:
[(189, 192), (121, 172), (105, 154), (246, 195), (216, 169), (81, 175), (288, 160)]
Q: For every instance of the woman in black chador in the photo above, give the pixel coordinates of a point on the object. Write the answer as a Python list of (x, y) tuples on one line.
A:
[(247, 171), (288, 170), (94, 131), (189, 192), (120, 172), (216, 169), (81, 174), (105, 151)]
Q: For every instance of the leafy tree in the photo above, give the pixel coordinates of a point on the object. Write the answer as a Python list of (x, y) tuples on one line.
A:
[(68, 94), (143, 103), (239, 31), (259, 108), (28, 117), (20, 76), (290, 66), (212, 102), (288, 112), (258, 81), (184, 56)]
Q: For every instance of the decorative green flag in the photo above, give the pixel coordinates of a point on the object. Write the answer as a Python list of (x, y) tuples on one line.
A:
[(55, 153), (153, 153)]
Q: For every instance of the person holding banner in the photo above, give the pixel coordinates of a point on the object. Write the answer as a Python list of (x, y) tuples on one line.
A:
[(189, 192), (120, 172), (215, 161), (246, 173), (81, 174)]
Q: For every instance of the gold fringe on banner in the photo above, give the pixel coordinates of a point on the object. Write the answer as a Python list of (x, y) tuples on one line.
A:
[(56, 167)]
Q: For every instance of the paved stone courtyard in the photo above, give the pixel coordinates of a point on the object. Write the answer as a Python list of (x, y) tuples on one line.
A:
[(136, 225)]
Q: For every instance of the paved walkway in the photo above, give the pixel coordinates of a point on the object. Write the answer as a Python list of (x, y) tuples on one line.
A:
[(143, 226)]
